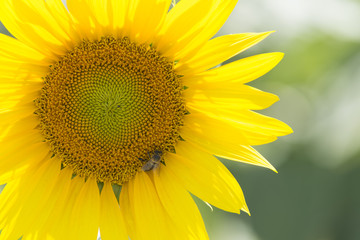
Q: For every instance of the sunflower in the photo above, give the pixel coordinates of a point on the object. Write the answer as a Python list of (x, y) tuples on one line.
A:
[(112, 113)]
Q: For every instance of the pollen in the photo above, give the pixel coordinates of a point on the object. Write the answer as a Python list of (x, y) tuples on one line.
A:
[(106, 104)]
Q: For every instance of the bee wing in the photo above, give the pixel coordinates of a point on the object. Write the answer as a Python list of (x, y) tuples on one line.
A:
[(156, 169)]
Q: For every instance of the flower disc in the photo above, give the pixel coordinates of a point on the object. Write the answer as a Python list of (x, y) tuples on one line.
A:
[(106, 104)]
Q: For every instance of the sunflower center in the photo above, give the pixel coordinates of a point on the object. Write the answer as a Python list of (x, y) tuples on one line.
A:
[(109, 103)]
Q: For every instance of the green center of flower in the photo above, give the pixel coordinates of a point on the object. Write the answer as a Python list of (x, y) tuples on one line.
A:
[(107, 104)]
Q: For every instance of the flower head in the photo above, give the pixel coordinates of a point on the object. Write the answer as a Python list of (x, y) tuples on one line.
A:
[(118, 94)]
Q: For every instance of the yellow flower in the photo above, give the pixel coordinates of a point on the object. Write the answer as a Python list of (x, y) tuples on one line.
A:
[(114, 93)]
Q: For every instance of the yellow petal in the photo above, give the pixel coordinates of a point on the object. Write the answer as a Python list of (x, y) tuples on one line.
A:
[(15, 50), (8, 196), (24, 95), (244, 154), (127, 209), (206, 177), (26, 212), (11, 175), (100, 18), (95, 19), (215, 20), (86, 212), (232, 151), (112, 226), (184, 21), (239, 97), (240, 71), (190, 24), (7, 118), (86, 17), (143, 210), (118, 15), (252, 125), (31, 236), (142, 25), (179, 205), (51, 205), (29, 155), (22, 125), (65, 20), (22, 71), (203, 128), (218, 50), (21, 144), (60, 226), (32, 23), (19, 97)]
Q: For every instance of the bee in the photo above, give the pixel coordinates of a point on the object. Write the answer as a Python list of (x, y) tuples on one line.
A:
[(153, 162)]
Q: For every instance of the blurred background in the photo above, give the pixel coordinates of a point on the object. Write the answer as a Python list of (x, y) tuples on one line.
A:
[(316, 194)]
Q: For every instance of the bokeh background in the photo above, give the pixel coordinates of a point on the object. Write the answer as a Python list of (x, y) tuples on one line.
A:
[(316, 194)]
